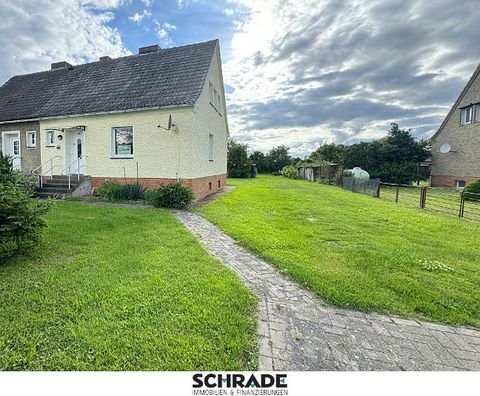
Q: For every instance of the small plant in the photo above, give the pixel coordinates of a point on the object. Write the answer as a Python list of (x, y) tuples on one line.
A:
[(434, 265), (174, 195), (290, 171), (472, 191), (114, 191)]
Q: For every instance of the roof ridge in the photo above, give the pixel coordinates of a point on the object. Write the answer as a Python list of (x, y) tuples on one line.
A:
[(113, 59)]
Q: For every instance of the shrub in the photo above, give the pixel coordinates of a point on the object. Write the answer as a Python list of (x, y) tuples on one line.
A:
[(290, 171), (174, 195), (472, 191), (20, 220), (114, 191), (26, 182)]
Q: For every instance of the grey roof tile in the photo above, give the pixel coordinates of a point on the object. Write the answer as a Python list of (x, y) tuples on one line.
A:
[(172, 76)]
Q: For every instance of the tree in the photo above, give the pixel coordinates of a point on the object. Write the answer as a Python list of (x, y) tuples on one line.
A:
[(328, 152), (277, 158), (393, 158), (260, 161), (238, 163), (20, 214)]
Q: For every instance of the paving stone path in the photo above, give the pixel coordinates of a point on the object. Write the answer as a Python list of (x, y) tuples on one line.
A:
[(298, 331)]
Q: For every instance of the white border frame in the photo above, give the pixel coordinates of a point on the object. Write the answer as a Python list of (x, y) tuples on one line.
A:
[(17, 133), (27, 140), (112, 143)]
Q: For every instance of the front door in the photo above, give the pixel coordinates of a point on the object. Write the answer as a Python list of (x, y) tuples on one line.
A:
[(75, 151), (11, 147)]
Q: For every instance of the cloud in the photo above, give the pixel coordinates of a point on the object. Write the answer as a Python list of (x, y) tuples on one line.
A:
[(31, 36), (305, 72), (162, 31), (139, 17)]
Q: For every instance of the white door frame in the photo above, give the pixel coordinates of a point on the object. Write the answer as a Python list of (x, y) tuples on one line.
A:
[(17, 159), (70, 135)]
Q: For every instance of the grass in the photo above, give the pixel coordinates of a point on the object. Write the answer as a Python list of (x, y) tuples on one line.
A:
[(115, 288), (356, 251), (442, 200)]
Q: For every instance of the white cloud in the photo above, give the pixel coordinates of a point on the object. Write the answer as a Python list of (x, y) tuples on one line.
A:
[(31, 36), (139, 17), (307, 71), (162, 31), (148, 3)]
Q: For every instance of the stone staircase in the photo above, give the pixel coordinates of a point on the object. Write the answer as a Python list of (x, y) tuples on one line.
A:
[(57, 187)]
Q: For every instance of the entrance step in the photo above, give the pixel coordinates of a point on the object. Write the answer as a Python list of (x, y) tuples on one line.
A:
[(57, 186)]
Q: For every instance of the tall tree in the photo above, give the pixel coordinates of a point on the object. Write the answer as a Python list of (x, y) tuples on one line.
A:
[(260, 161), (238, 163), (278, 157)]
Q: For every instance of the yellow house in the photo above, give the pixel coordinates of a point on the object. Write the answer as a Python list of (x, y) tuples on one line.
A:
[(155, 117)]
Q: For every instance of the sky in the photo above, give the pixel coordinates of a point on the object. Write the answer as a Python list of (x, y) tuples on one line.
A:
[(299, 73)]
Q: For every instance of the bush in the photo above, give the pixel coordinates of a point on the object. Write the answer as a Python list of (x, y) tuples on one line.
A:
[(472, 191), (20, 220), (113, 191), (26, 182), (23, 180), (290, 171), (174, 195)]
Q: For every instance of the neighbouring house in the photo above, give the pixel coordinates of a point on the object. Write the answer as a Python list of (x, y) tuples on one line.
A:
[(156, 117), (456, 144)]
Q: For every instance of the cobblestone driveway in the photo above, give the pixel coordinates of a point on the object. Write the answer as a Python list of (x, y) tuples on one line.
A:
[(298, 331)]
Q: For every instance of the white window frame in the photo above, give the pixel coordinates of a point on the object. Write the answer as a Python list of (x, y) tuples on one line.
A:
[(464, 112), (211, 147), (476, 113), (458, 183), (113, 142), (215, 98), (210, 92), (50, 142), (29, 143), (219, 101)]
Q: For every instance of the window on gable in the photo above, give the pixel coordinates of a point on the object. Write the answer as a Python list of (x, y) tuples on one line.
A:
[(211, 93), (50, 138), (122, 142), (215, 98), (466, 115), (31, 139), (477, 112), (210, 147), (218, 103)]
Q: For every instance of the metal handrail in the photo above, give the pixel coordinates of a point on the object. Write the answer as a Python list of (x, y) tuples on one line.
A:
[(77, 160), (40, 174)]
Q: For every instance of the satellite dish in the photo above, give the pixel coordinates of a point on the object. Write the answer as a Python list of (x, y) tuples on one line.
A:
[(445, 148)]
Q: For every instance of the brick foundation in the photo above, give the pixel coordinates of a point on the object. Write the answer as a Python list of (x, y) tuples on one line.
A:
[(202, 186), (450, 181)]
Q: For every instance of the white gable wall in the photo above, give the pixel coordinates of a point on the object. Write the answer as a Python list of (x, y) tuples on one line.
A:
[(206, 120)]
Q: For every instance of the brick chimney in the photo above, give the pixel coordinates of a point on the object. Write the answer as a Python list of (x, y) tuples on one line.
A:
[(104, 59), (149, 49), (60, 65)]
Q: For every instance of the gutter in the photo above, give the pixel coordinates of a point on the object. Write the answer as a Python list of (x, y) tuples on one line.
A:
[(97, 113)]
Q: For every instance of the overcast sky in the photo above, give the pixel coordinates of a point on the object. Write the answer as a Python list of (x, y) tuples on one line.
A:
[(298, 73)]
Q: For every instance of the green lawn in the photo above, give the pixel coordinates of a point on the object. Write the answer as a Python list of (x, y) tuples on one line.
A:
[(116, 288), (356, 251)]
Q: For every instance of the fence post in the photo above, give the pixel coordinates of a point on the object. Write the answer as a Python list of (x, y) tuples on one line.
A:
[(462, 205), (423, 197), (397, 192), (378, 190)]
